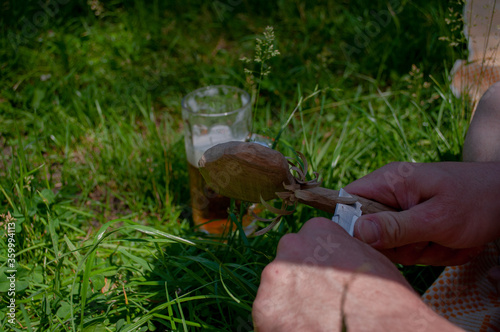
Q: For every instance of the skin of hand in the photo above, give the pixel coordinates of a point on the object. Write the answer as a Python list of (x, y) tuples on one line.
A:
[(449, 210), (322, 279)]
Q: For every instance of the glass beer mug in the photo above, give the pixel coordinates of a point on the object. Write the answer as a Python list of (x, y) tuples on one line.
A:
[(212, 115)]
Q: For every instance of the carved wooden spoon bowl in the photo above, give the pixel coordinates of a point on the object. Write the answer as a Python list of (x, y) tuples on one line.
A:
[(250, 171)]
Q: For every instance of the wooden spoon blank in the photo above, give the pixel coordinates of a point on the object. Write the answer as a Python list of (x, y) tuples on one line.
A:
[(326, 200), (248, 171), (245, 171)]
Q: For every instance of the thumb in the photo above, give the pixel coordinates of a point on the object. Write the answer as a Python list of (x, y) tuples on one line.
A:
[(386, 229)]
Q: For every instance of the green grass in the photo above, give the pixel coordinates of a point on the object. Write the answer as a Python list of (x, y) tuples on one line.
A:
[(92, 154)]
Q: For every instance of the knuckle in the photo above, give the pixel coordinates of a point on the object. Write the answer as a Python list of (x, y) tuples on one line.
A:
[(271, 271), (291, 245), (392, 230), (289, 241), (392, 164), (431, 218)]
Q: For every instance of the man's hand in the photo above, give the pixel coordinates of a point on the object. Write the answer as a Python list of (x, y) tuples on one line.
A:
[(449, 210), (323, 280)]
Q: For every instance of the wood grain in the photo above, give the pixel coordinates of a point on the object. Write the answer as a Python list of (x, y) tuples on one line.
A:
[(326, 199), (245, 171)]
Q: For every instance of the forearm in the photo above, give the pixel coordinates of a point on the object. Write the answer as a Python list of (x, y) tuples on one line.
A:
[(483, 137), (486, 207)]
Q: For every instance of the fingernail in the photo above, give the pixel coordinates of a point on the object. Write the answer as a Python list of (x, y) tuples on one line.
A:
[(368, 231)]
